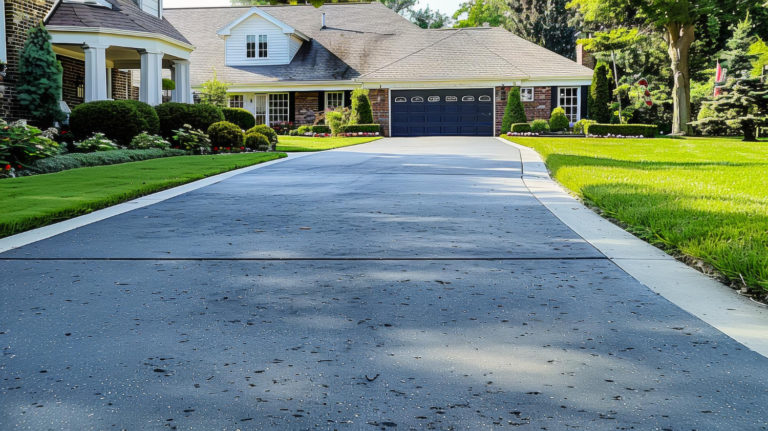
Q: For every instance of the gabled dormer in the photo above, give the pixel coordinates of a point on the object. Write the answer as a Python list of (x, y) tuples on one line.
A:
[(152, 7), (259, 39)]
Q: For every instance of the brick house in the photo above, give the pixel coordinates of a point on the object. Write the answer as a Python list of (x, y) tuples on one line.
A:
[(98, 43), (288, 63)]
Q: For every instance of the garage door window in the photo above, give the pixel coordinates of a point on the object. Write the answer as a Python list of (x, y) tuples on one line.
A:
[(468, 99), (400, 100), (451, 99), (569, 100), (433, 99), (417, 99), (484, 98)]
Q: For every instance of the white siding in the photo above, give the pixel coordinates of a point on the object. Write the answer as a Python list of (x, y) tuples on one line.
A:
[(295, 45), (278, 43), (151, 7)]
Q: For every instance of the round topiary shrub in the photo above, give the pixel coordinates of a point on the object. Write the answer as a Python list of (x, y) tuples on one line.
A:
[(558, 122), (539, 126), (225, 135), (119, 120), (266, 131), (148, 115), (174, 116), (257, 141), (239, 116)]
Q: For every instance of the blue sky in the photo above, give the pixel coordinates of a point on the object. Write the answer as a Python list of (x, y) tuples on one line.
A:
[(447, 7)]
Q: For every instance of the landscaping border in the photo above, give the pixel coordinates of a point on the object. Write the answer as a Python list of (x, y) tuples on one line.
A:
[(720, 306)]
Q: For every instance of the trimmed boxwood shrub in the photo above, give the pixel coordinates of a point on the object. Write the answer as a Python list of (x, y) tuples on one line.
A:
[(119, 120), (358, 128), (266, 131), (239, 116), (558, 122), (226, 135), (149, 115), (321, 129), (174, 116), (81, 160), (361, 107), (540, 126), (514, 113), (520, 128), (645, 130), (257, 141)]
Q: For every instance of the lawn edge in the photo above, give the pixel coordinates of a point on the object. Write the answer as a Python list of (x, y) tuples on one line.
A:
[(715, 303), (31, 236), (308, 150)]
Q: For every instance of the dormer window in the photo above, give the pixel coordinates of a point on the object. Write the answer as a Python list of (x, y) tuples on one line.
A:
[(251, 50)]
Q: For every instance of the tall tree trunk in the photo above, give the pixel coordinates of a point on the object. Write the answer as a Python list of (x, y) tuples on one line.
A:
[(679, 40)]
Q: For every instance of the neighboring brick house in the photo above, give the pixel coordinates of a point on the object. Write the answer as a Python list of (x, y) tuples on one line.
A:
[(289, 63), (97, 42)]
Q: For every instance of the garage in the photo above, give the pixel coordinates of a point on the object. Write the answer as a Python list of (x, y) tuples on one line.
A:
[(467, 112)]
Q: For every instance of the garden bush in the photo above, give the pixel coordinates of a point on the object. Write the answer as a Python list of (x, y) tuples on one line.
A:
[(321, 129), (266, 131), (119, 120), (539, 126), (226, 135), (97, 142), (239, 116), (81, 160), (148, 114), (520, 128), (645, 130), (361, 107), (144, 141), (581, 126), (257, 141), (335, 120), (303, 130), (193, 140), (174, 116), (360, 128), (514, 113), (558, 121), (21, 144)]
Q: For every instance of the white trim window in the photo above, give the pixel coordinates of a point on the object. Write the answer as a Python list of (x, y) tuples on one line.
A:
[(334, 99), (279, 108), (250, 46), (236, 101), (568, 98), (527, 94), (263, 46)]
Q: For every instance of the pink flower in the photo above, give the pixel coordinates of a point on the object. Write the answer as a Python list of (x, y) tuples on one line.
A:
[(7, 167)]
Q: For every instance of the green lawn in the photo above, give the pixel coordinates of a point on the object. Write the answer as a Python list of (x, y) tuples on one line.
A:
[(304, 143), (35, 201), (703, 199)]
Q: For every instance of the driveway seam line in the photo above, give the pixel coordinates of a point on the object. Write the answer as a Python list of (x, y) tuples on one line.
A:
[(290, 259)]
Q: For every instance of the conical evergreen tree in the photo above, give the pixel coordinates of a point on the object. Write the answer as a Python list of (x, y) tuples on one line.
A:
[(514, 112), (737, 55), (40, 78), (600, 95), (742, 107), (361, 107)]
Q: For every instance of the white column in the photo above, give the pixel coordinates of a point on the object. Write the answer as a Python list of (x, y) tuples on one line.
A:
[(109, 83), (95, 72), (183, 91), (151, 87)]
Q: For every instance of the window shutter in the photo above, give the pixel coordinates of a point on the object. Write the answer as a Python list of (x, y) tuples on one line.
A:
[(554, 99), (583, 101), (320, 101), (348, 99), (292, 107)]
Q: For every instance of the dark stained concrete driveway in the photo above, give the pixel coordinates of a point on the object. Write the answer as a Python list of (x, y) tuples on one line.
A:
[(402, 284)]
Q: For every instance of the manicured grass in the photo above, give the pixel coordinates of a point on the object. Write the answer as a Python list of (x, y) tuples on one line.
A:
[(702, 199), (35, 201), (304, 143)]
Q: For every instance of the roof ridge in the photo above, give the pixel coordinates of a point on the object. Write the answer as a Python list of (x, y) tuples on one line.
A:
[(411, 54), (497, 55)]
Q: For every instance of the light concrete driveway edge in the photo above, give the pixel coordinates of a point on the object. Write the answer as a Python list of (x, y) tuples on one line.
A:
[(711, 301), (45, 232)]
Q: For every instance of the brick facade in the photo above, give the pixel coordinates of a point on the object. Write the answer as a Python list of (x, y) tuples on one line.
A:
[(380, 108), (305, 107), (540, 108), (122, 85), (20, 16), (73, 76)]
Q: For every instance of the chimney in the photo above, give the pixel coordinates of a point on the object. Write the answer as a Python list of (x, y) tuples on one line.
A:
[(323, 20), (583, 57)]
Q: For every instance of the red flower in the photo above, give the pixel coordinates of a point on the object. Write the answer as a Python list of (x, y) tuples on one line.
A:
[(242, 148), (215, 148), (18, 166), (7, 167), (229, 148)]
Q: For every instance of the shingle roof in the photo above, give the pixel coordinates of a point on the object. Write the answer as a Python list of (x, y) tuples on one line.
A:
[(124, 15), (369, 42)]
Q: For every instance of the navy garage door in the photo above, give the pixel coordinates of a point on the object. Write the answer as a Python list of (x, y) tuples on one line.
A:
[(442, 112)]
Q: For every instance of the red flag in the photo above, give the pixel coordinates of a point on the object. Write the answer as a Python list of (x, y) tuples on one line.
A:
[(718, 78)]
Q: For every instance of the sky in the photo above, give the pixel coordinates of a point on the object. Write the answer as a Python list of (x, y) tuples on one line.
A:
[(447, 7)]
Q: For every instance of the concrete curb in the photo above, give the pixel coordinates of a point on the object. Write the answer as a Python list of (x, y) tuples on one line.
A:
[(28, 237), (716, 304)]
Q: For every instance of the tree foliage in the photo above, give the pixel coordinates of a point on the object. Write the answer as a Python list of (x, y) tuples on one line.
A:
[(428, 18), (760, 50), (399, 6), (215, 92), (514, 112), (479, 13), (600, 95), (737, 54), (742, 107), (361, 107), (545, 22), (40, 78)]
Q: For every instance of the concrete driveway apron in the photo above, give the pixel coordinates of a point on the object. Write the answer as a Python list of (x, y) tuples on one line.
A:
[(401, 284)]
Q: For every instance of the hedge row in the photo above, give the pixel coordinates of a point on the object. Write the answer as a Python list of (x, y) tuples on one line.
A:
[(81, 160), (645, 130), (321, 129), (360, 128), (520, 128), (244, 119)]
